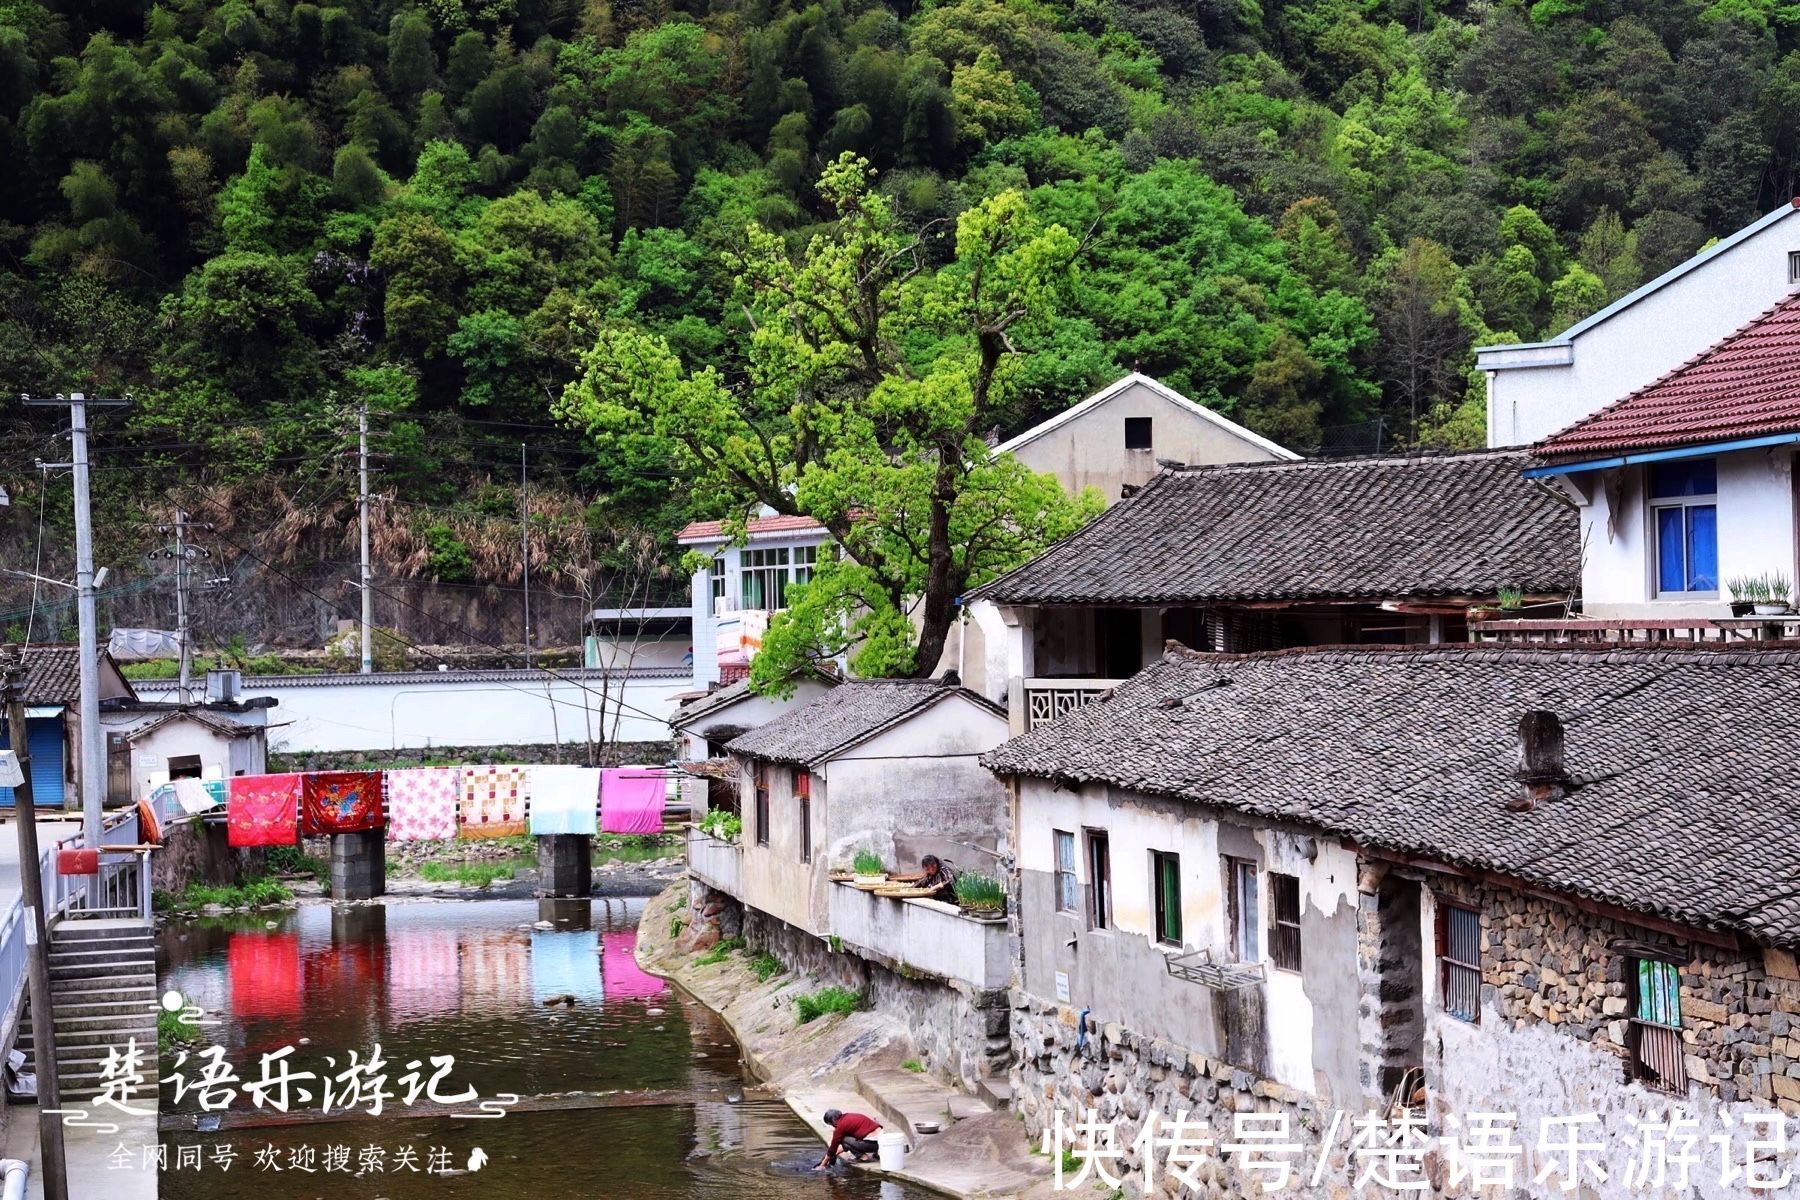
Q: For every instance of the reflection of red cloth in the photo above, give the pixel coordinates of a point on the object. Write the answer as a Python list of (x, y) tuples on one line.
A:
[(262, 810), (624, 979), (265, 974), (340, 802), (631, 801)]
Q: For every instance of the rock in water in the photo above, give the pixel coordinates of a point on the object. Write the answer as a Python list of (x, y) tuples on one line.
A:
[(566, 999)]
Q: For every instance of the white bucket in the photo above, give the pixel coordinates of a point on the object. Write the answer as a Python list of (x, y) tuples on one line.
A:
[(892, 1148)]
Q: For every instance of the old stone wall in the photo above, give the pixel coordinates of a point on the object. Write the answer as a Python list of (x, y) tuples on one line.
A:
[(957, 1031), (195, 852)]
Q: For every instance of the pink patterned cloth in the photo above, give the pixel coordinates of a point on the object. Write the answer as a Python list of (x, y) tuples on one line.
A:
[(422, 803), (631, 800), (493, 801)]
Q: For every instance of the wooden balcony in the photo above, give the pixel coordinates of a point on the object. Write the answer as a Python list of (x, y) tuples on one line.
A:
[(1040, 701), (1629, 631)]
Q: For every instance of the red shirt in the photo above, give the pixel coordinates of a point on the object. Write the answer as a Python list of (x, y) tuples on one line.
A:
[(854, 1125)]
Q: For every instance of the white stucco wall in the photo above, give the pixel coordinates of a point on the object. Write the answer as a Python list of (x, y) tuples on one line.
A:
[(464, 708), (1757, 535), (220, 757), (1147, 1000), (705, 623), (1641, 342)]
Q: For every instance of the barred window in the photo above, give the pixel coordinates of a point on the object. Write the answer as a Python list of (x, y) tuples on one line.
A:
[(1656, 1049), (1284, 922), (1459, 961)]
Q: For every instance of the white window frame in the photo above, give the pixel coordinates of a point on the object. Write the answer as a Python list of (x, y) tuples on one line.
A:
[(1245, 910), (1653, 533)]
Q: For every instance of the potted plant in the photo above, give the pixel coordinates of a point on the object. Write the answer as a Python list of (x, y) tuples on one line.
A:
[(725, 826), (867, 867), (1511, 599), (1744, 591), (1483, 612), (980, 895), (1775, 599)]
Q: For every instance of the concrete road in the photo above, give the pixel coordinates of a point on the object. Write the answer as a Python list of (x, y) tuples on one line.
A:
[(49, 830)]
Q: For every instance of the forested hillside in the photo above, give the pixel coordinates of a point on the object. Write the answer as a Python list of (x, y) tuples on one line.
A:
[(255, 215)]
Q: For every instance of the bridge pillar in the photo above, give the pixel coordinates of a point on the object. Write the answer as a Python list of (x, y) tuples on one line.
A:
[(358, 865), (565, 864)]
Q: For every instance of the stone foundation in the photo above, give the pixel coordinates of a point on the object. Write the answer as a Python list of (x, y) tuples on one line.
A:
[(565, 865), (358, 865), (195, 852), (957, 1031)]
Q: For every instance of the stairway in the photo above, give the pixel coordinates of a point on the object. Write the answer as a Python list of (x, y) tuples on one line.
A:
[(103, 987)]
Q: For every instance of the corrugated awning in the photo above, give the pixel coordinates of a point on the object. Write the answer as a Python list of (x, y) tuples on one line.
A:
[(39, 711)]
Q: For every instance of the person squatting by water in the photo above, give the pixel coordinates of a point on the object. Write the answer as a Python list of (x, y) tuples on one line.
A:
[(853, 1133)]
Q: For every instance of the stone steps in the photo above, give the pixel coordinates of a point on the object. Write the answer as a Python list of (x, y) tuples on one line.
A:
[(103, 987), (915, 1103)]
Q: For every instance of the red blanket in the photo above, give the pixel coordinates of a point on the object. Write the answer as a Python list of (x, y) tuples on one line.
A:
[(340, 802), (262, 810)]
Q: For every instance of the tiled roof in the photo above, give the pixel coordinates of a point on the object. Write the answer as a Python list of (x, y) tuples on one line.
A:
[(847, 714), (724, 697), (1461, 525), (52, 675), (1682, 803), (714, 531), (1746, 386)]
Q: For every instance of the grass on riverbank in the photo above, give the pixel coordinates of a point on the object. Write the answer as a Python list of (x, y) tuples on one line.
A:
[(477, 875), (252, 893), (717, 953), (172, 1032), (810, 1006)]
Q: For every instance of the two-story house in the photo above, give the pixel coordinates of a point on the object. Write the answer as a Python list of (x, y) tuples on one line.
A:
[(743, 582), (1688, 484), (1536, 388), (1273, 555), (1448, 881)]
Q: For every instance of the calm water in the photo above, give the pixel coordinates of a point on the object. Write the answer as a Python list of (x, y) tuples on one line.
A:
[(468, 979)]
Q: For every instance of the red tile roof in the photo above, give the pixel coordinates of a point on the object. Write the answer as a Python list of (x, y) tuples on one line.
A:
[(702, 530), (1746, 386)]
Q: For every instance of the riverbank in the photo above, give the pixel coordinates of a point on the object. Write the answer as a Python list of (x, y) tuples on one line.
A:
[(849, 1060)]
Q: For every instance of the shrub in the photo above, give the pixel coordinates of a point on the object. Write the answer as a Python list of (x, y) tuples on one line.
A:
[(813, 1005), (975, 890), (766, 966), (914, 1065), (249, 894), (726, 826), (676, 925), (172, 1031), (867, 862), (291, 860)]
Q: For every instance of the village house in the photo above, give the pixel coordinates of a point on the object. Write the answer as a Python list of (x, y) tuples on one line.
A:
[(1687, 485), (890, 767), (53, 725), (1453, 880), (1389, 549), (743, 583), (1114, 440), (1536, 388), (707, 722)]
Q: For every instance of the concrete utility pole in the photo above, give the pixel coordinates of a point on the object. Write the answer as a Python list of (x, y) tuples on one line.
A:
[(362, 504), (43, 1013), (183, 555), (93, 750), (525, 546)]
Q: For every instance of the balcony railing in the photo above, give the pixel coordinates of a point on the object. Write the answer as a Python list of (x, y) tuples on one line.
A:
[(1637, 630), (718, 864), (922, 936), (1040, 701)]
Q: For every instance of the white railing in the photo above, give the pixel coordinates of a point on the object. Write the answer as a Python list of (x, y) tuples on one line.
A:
[(922, 935), (1040, 701)]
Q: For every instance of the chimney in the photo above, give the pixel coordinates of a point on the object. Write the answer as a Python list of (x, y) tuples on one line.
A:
[(1542, 772)]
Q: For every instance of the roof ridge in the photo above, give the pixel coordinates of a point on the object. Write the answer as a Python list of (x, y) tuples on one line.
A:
[(1401, 459), (1732, 655)]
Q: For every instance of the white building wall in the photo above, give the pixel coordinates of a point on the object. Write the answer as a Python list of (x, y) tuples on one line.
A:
[(706, 622), (1757, 536), (1645, 338), (473, 708)]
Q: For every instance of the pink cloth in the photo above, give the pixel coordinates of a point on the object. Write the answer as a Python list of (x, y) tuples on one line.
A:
[(624, 979), (422, 803), (631, 801)]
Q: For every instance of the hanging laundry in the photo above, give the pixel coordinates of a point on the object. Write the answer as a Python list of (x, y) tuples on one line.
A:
[(194, 795), (493, 802), (564, 800), (340, 802), (631, 800), (263, 810), (422, 803)]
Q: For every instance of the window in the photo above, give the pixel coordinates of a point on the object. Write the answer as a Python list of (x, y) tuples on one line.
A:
[(1165, 877), (716, 576), (803, 794), (1793, 266), (1684, 515), (1068, 894), (1656, 1049), (1137, 433), (762, 804), (805, 558), (1099, 862), (1284, 922), (1243, 908), (765, 577), (1459, 961)]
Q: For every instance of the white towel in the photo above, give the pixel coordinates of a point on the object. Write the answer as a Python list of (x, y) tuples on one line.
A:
[(193, 797), (564, 800)]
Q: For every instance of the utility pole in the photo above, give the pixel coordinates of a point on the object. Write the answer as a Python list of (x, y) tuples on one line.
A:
[(525, 543), (37, 943), (93, 750), (368, 595), (183, 555)]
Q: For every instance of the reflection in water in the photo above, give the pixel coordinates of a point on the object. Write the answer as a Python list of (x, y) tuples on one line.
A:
[(468, 979)]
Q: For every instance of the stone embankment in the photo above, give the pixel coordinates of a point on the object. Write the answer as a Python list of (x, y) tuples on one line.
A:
[(852, 1061)]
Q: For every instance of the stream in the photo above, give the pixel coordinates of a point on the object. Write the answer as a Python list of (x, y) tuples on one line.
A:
[(660, 1109)]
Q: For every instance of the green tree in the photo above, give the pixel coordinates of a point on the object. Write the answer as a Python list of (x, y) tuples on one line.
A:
[(869, 382)]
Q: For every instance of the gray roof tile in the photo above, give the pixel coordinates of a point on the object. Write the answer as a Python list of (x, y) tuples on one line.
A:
[(1455, 525), (1684, 803), (844, 716)]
